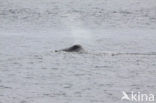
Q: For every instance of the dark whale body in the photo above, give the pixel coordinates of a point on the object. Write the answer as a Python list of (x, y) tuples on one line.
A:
[(74, 48)]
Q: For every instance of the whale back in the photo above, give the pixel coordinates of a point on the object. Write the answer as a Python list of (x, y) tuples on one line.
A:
[(74, 48)]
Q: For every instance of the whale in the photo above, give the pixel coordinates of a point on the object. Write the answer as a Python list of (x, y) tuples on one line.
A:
[(74, 48)]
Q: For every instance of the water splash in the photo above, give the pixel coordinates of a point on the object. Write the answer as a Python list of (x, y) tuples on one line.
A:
[(77, 29)]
